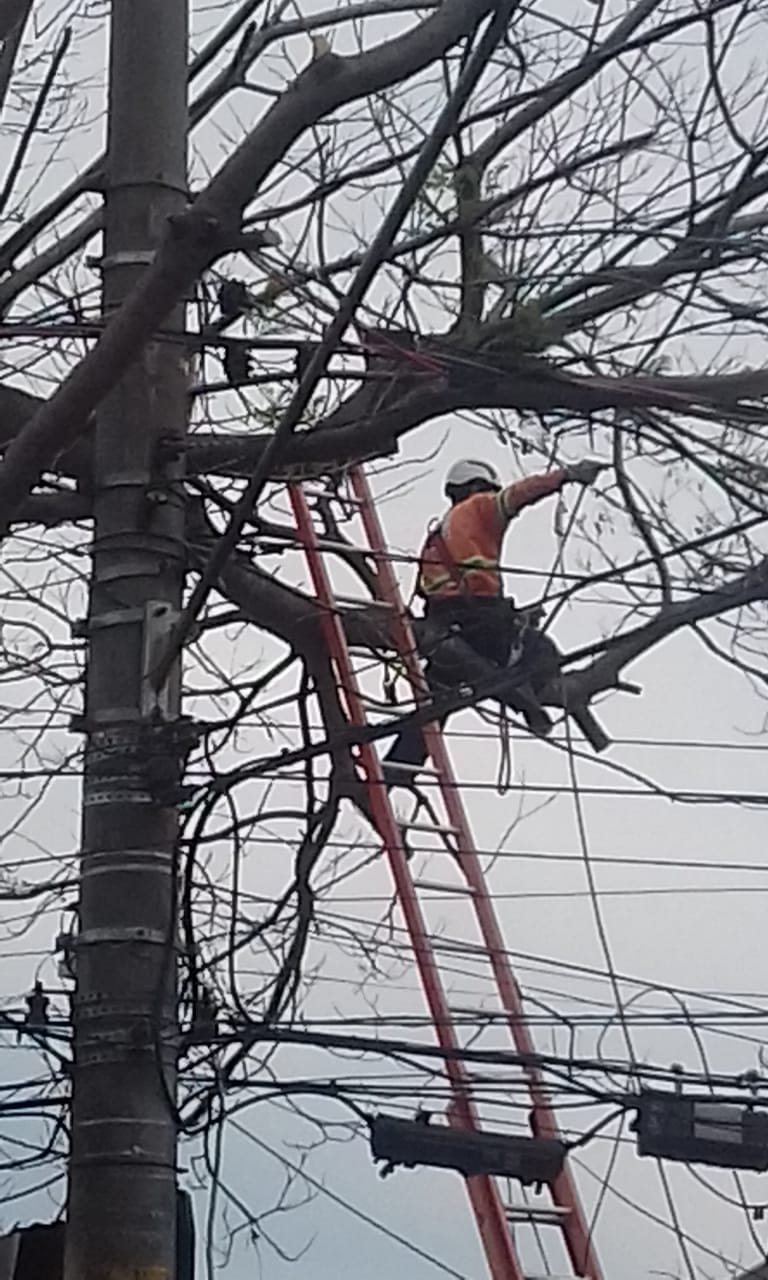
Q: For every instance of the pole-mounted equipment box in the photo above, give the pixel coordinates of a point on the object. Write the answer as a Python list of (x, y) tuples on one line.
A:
[(701, 1131), (415, 1142)]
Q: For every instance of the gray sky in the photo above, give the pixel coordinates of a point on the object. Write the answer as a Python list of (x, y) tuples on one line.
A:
[(696, 929), (693, 929)]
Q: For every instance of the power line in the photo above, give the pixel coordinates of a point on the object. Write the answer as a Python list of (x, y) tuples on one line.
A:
[(350, 1208), (684, 744), (261, 1033), (517, 855), (746, 799)]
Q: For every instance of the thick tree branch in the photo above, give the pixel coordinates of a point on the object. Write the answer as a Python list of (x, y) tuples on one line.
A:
[(212, 222), (567, 84), (700, 249), (13, 20), (604, 670), (90, 178), (333, 333), (51, 509), (573, 690), (353, 433), (284, 611), (296, 619)]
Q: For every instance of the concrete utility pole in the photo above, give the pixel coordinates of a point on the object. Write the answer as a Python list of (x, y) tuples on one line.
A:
[(121, 1211)]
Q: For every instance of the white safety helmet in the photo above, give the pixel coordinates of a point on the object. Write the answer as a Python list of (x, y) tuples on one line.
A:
[(468, 470)]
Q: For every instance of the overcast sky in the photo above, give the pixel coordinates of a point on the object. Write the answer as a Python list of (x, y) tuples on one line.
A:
[(691, 929)]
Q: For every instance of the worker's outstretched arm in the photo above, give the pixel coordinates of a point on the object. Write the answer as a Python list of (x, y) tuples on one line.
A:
[(524, 493)]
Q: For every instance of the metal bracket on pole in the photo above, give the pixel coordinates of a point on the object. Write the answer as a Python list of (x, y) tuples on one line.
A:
[(115, 795), (91, 937), (159, 861), (159, 622), (9, 1253), (65, 948), (125, 258), (81, 628)]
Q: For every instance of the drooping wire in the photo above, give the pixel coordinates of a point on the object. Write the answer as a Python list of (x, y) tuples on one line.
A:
[(350, 1208), (613, 979)]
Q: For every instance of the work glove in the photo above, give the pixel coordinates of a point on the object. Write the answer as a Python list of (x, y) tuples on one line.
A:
[(584, 472)]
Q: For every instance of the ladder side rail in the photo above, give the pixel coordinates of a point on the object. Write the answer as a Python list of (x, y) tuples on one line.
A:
[(576, 1231), (484, 1197)]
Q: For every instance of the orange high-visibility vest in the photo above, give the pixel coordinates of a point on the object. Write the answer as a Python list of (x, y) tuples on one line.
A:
[(461, 555)]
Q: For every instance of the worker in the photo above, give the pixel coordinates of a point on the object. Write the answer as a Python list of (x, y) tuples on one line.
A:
[(461, 583)]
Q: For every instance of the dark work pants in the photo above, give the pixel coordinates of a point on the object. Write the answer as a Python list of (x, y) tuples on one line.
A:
[(488, 626)]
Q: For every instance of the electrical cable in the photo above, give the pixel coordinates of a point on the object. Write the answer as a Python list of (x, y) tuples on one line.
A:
[(334, 331), (350, 1208), (607, 956)]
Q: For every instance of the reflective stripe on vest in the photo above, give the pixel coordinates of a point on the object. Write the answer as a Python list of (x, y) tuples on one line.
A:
[(436, 555), (463, 567)]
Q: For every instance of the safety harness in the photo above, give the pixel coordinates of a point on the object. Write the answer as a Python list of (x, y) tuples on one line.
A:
[(394, 669), (456, 570), (436, 540)]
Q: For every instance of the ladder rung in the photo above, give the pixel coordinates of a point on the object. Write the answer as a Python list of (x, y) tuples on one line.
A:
[(322, 544), (462, 948), (432, 827), (377, 604), (335, 544), (334, 497), (436, 971), (433, 887), (542, 1216), (402, 767)]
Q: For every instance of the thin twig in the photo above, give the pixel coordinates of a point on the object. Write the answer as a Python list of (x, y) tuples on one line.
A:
[(334, 332), (34, 119)]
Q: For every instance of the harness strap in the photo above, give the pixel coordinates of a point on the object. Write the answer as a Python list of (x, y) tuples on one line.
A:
[(457, 570), (437, 540)]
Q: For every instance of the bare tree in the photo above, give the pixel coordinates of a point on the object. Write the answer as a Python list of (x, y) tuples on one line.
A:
[(577, 268)]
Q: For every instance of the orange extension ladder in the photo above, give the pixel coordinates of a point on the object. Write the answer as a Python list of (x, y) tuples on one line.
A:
[(496, 1220)]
